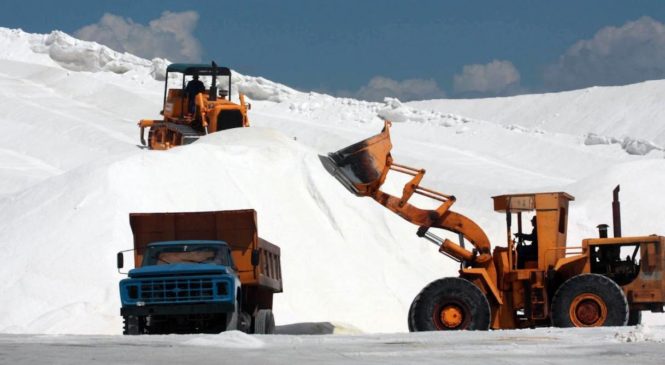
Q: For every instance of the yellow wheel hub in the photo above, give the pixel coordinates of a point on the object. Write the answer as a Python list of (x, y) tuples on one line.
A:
[(452, 316)]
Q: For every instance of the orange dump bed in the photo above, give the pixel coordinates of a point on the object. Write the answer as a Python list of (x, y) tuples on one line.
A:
[(237, 228)]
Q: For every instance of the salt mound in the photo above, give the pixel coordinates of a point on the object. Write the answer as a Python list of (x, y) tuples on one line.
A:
[(397, 112), (77, 55), (231, 339), (633, 146), (258, 88), (68, 265)]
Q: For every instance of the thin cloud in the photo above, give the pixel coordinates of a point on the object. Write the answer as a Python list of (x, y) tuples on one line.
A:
[(380, 87), (170, 36), (494, 78), (631, 53)]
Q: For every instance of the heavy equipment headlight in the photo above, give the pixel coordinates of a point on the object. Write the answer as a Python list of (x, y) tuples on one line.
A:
[(221, 288), (133, 292)]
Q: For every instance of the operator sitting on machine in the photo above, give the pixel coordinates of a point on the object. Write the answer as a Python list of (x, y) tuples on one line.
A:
[(193, 88), (524, 252)]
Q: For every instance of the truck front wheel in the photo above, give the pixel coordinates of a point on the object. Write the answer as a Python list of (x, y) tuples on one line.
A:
[(133, 325)]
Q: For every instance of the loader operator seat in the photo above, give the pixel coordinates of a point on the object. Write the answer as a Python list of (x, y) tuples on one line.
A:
[(527, 253)]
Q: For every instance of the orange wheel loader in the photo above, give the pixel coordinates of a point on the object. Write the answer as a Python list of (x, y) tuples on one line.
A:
[(601, 282), (187, 120)]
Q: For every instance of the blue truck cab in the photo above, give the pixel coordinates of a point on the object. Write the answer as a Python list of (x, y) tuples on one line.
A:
[(182, 279), (199, 272)]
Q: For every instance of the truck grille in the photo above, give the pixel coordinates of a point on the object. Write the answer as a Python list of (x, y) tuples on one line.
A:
[(176, 290)]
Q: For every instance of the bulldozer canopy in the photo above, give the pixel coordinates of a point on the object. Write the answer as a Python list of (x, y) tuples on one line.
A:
[(202, 69)]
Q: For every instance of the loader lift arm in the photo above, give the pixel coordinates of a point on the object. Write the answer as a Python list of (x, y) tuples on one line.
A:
[(363, 167)]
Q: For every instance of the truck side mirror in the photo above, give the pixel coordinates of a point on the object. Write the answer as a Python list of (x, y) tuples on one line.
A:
[(255, 258), (121, 260)]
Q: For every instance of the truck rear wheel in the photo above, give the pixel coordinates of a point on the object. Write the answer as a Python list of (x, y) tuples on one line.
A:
[(449, 304), (264, 322), (244, 322), (589, 300), (133, 325)]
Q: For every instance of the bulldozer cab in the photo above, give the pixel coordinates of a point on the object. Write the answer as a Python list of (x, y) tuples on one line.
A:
[(217, 81), (550, 213)]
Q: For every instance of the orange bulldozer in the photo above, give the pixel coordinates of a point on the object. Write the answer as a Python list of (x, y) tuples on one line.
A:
[(190, 115), (600, 282)]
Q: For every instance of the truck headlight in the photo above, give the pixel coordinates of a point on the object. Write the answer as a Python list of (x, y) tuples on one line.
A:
[(221, 289), (133, 292)]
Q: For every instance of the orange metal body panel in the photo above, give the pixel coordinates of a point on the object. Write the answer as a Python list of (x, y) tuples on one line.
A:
[(237, 228), (176, 103), (647, 290)]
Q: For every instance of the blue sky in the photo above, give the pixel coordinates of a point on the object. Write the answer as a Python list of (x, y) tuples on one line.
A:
[(370, 49)]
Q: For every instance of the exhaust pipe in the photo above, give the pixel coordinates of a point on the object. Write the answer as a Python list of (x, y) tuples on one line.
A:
[(602, 230), (616, 213)]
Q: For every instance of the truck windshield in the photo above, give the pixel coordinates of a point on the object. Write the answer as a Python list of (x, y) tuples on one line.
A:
[(176, 254)]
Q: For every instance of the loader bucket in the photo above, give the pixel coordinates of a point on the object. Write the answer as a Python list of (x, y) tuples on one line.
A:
[(362, 167)]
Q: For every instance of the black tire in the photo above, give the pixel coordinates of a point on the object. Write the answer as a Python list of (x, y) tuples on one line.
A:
[(411, 316), (244, 322), (133, 325), (634, 318), (264, 322), (467, 305), (589, 300), (232, 321)]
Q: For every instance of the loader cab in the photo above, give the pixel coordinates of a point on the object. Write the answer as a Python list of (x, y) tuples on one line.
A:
[(215, 79), (551, 224)]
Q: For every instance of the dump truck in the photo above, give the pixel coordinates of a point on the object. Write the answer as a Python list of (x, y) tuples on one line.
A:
[(603, 281), (199, 272), (189, 115)]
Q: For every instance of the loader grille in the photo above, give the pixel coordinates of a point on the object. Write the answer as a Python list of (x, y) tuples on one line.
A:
[(176, 290)]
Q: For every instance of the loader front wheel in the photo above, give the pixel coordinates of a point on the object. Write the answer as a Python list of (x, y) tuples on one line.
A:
[(589, 300), (449, 304), (411, 316)]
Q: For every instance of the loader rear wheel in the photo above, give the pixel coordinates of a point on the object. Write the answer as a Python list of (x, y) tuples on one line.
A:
[(449, 304), (264, 322), (589, 300)]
